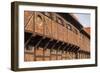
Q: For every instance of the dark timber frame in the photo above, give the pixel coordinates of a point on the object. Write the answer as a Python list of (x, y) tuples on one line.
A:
[(15, 38)]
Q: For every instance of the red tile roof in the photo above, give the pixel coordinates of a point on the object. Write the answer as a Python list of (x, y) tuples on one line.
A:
[(88, 30)]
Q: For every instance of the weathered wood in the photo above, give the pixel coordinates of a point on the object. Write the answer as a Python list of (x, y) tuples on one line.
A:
[(53, 26)]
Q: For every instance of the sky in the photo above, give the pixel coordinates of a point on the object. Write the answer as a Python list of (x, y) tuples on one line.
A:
[(83, 18)]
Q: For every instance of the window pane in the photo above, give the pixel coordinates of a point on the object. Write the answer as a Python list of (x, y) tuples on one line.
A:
[(39, 20), (69, 27), (47, 14), (47, 52), (53, 51)]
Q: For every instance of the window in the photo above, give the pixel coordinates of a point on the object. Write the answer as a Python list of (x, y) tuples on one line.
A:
[(54, 18), (81, 36), (39, 51), (30, 48), (59, 52), (47, 52), (75, 31), (53, 51), (39, 20), (60, 21), (47, 14), (69, 27)]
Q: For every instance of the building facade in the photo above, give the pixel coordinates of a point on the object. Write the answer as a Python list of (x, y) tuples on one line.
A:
[(54, 36)]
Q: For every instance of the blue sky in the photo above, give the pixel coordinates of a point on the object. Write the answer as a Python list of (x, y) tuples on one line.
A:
[(83, 18)]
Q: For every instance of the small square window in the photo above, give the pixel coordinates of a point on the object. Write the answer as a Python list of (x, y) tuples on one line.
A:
[(47, 14), (60, 21), (69, 27), (75, 31), (53, 51), (30, 48)]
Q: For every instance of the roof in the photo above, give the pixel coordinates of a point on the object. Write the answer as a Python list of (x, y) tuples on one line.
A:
[(87, 29), (70, 18)]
